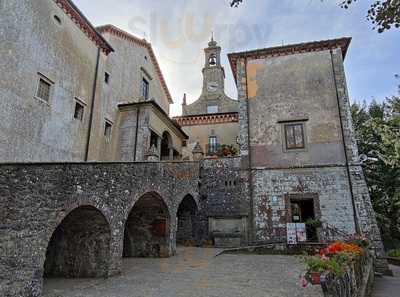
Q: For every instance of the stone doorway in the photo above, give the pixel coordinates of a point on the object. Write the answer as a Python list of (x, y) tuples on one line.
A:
[(147, 228), (80, 246), (187, 222), (304, 208)]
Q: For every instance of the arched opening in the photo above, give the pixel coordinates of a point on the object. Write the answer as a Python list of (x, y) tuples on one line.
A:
[(147, 228), (187, 221), (80, 245), (166, 147)]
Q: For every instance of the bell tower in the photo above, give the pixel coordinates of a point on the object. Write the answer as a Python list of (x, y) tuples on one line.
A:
[(213, 72)]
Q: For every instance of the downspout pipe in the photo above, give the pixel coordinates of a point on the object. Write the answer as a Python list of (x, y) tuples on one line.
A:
[(249, 167), (136, 132), (89, 134), (356, 224)]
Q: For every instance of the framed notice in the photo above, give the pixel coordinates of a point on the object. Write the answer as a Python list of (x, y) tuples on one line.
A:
[(291, 233), (301, 233)]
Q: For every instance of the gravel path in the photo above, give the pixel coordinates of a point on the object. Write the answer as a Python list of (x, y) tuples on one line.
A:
[(194, 272)]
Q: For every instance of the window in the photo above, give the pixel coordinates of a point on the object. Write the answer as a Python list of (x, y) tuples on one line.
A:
[(294, 136), (212, 108), (43, 90), (79, 111), (107, 78), (107, 130), (145, 89), (212, 60), (184, 143), (212, 144), (57, 19)]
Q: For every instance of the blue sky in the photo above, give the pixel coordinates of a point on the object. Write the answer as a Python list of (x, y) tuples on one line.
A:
[(180, 29)]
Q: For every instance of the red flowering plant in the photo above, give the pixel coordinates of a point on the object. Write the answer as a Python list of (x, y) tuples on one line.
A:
[(332, 259)]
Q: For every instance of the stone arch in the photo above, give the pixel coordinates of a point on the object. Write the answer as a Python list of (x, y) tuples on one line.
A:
[(187, 221), (147, 228), (80, 245), (166, 146)]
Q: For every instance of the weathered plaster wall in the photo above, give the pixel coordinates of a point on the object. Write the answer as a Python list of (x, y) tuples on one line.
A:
[(31, 41), (149, 119), (224, 103), (226, 133), (289, 88), (37, 197), (125, 67)]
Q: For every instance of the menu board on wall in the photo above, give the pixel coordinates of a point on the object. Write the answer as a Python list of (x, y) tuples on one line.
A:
[(296, 233), (291, 233)]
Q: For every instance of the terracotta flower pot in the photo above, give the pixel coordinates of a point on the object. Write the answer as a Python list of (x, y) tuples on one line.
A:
[(315, 278)]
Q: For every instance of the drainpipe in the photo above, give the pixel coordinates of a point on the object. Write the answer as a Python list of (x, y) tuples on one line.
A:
[(345, 150), (92, 106), (249, 169), (136, 132)]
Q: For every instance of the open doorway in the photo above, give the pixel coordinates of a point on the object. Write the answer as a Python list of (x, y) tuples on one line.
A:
[(305, 209)]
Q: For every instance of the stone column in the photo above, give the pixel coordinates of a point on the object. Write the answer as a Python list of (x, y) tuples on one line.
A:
[(365, 215)]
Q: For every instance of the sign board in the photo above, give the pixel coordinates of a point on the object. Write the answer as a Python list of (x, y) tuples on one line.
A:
[(296, 233)]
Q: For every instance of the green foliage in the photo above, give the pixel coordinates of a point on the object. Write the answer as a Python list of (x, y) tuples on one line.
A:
[(377, 128), (384, 15), (319, 264), (225, 150), (314, 223), (394, 253)]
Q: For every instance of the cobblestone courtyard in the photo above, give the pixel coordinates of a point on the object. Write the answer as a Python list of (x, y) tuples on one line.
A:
[(194, 272)]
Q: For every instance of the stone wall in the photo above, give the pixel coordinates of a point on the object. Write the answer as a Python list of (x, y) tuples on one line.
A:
[(221, 194), (37, 198), (272, 188), (33, 45)]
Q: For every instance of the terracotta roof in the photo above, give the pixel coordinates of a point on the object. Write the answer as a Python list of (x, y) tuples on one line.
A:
[(142, 42), (285, 50), (122, 106), (206, 119), (83, 23)]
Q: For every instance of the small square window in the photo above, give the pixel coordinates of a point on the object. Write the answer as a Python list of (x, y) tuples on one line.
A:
[(79, 111), (294, 136), (107, 130), (107, 78), (43, 90), (184, 143), (212, 109)]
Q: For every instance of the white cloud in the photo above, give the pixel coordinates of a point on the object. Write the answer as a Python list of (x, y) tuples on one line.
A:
[(180, 29)]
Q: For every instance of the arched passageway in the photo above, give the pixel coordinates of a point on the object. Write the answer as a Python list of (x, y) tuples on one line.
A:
[(166, 147), (80, 245), (187, 221), (147, 228)]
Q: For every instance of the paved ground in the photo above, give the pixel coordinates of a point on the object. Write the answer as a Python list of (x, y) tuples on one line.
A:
[(387, 286), (194, 272)]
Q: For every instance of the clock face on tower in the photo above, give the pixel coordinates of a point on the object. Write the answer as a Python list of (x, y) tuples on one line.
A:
[(212, 86)]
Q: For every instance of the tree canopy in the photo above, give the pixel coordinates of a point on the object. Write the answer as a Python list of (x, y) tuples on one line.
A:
[(384, 14), (377, 127)]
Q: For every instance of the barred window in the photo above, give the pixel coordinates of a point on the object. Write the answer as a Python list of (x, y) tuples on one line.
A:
[(79, 111), (107, 130), (43, 90), (294, 136), (145, 89)]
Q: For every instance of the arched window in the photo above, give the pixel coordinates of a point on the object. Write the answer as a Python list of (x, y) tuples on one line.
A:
[(212, 60)]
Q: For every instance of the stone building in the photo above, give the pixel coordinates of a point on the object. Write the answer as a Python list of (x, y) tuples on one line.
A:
[(212, 120), (77, 93), (64, 84), (299, 157)]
